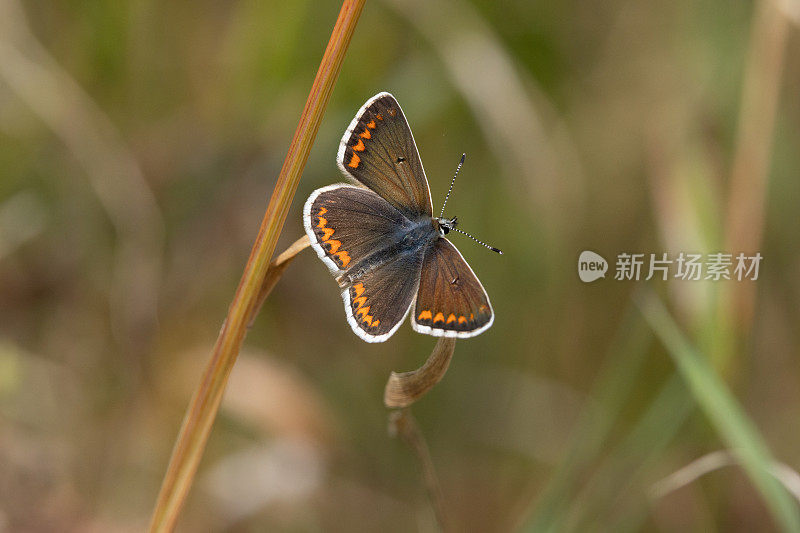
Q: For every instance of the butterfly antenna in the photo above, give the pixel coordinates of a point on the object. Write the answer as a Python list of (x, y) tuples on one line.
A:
[(492, 248), (452, 182)]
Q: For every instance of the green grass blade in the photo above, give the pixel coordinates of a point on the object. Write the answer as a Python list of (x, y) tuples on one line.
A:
[(723, 411)]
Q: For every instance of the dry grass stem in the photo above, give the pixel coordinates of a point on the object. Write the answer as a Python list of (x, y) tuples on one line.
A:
[(751, 163), (403, 389), (202, 411), (275, 270)]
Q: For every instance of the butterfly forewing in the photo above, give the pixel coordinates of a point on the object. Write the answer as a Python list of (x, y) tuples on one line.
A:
[(347, 223), (451, 302), (379, 151)]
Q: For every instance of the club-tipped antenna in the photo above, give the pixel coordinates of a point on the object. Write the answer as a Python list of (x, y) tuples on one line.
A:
[(452, 182), (492, 248)]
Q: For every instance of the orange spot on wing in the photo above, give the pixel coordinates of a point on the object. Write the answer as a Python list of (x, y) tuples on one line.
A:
[(451, 318), (392, 111), (362, 311), (439, 317), (358, 302), (359, 147), (471, 317), (334, 245), (368, 320), (344, 257), (375, 323), (354, 161), (359, 288), (483, 308), (322, 222), (366, 135), (327, 233), (425, 315), (371, 124), (322, 211), (462, 319), (379, 116)]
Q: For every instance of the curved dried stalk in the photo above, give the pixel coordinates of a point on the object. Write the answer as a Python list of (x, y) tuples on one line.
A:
[(200, 416), (402, 390), (405, 388)]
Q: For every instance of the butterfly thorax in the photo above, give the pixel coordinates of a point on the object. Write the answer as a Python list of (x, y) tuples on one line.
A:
[(445, 225), (407, 240)]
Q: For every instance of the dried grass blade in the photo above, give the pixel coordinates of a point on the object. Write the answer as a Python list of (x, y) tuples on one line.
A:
[(200, 416)]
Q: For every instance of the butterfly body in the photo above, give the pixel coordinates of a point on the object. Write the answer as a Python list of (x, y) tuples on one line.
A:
[(381, 241), (409, 241)]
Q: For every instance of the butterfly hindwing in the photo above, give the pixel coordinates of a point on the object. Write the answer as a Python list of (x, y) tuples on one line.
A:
[(378, 150), (346, 223), (451, 302), (378, 301)]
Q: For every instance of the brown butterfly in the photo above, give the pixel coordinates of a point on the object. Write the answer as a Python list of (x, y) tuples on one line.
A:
[(388, 252)]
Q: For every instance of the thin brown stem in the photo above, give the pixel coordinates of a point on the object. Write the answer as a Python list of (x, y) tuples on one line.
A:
[(202, 411), (402, 390), (402, 424)]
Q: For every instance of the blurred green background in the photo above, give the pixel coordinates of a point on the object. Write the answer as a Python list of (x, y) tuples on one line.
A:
[(139, 144)]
